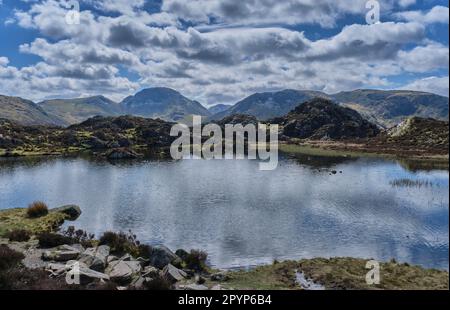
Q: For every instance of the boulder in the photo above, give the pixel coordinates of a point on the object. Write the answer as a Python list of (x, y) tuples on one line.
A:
[(86, 275), (95, 258), (161, 256), (173, 274), (111, 258), (150, 272), (62, 253), (182, 254), (123, 271), (72, 211)]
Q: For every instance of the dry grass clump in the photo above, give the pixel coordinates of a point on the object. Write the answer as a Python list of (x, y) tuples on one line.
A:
[(37, 209)]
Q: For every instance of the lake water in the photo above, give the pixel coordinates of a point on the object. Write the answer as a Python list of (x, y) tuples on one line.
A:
[(244, 217)]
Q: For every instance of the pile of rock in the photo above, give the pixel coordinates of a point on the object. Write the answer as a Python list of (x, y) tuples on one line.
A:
[(97, 264)]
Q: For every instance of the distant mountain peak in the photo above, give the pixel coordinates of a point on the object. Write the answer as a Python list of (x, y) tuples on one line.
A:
[(164, 103)]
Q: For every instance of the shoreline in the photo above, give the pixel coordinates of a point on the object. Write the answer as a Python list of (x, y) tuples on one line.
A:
[(338, 273), (352, 149)]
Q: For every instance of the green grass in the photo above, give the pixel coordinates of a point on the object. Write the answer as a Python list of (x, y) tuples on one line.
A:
[(13, 219), (279, 276), (337, 273), (349, 273)]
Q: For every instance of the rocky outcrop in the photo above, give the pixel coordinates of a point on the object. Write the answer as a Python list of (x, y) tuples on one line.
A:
[(321, 119), (72, 211)]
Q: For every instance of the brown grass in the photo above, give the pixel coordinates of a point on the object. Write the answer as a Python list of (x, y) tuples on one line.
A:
[(37, 209)]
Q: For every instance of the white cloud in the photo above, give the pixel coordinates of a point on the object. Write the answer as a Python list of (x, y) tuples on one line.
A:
[(4, 61), (433, 84), (121, 6), (425, 58), (253, 12), (220, 65), (438, 14), (406, 3)]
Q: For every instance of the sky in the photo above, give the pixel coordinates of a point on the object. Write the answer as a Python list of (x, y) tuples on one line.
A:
[(220, 51)]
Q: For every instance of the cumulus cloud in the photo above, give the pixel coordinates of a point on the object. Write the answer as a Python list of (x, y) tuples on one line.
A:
[(253, 12), (438, 14), (4, 61), (217, 51), (434, 84)]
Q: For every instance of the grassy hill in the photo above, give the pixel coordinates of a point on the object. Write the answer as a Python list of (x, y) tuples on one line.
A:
[(389, 108), (73, 111), (25, 112)]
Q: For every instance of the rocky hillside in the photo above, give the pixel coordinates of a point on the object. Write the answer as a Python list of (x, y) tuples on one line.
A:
[(389, 108), (270, 104), (164, 103), (25, 112), (321, 119), (218, 108), (423, 132), (125, 135), (73, 111)]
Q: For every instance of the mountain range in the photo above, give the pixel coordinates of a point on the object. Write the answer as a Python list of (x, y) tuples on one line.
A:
[(384, 108)]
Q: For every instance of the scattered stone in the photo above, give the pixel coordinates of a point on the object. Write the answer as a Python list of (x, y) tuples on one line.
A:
[(173, 274)]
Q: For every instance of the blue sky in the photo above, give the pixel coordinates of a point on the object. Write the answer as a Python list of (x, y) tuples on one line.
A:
[(219, 51)]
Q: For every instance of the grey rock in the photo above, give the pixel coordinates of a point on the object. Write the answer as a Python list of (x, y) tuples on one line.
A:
[(72, 211), (173, 274), (126, 257), (111, 258), (123, 271), (194, 287), (61, 254), (96, 258), (74, 267), (138, 282), (150, 272), (162, 256)]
